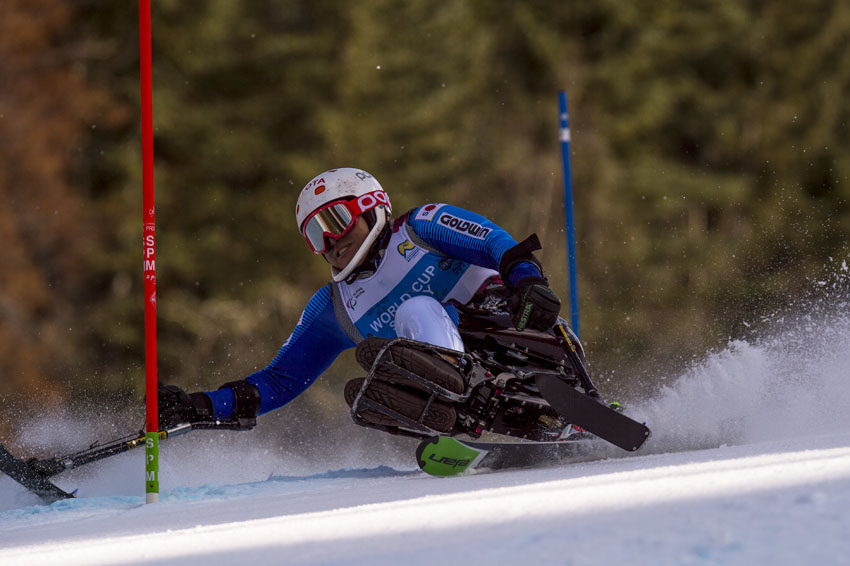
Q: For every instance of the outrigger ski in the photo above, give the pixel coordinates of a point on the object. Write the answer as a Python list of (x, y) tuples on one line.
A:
[(593, 416), (35, 474), (40, 485)]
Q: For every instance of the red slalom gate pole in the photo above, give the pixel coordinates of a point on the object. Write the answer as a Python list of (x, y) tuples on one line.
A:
[(149, 236)]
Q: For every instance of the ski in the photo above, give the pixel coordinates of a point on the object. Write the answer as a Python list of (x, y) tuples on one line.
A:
[(30, 479), (594, 417), (446, 456)]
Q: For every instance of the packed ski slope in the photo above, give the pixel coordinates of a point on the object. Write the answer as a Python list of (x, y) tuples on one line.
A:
[(772, 503), (749, 464)]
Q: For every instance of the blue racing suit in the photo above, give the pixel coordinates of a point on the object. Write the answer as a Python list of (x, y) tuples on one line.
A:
[(436, 249)]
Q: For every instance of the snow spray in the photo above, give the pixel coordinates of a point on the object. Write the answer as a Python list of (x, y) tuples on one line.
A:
[(792, 380)]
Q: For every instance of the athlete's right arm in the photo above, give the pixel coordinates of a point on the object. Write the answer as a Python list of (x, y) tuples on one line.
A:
[(311, 348)]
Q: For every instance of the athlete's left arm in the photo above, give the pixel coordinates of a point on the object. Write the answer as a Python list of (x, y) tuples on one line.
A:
[(468, 236)]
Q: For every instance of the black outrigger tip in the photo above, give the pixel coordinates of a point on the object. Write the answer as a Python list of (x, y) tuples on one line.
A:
[(34, 481)]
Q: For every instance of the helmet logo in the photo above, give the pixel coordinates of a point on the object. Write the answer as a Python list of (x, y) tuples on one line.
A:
[(314, 182), (319, 190)]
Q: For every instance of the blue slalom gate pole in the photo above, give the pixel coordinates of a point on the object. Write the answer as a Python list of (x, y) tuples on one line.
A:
[(568, 210)]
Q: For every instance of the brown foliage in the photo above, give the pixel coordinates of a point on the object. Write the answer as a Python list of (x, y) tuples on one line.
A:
[(46, 107)]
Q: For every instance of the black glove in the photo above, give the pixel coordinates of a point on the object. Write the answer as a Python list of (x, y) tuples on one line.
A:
[(534, 305), (175, 406)]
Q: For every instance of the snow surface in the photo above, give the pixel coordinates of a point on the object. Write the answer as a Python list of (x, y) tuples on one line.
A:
[(749, 464)]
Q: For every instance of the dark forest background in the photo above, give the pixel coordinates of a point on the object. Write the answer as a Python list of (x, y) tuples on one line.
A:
[(710, 155)]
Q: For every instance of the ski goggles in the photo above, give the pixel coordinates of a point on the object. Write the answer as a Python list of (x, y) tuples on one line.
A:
[(336, 219)]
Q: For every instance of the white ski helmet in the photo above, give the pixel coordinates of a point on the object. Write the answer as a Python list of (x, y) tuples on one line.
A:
[(329, 205)]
